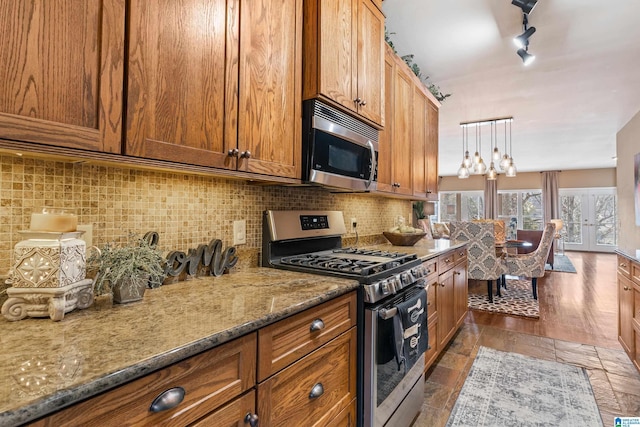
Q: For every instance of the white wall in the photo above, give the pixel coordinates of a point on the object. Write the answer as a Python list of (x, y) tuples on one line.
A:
[(627, 146)]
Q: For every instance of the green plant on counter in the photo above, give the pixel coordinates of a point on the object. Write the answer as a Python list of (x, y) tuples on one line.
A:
[(408, 59), (418, 209), (134, 258)]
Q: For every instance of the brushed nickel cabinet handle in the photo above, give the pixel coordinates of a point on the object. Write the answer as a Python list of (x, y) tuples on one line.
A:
[(363, 103), (442, 284), (316, 391), (457, 272), (233, 153), (251, 419), (316, 325), (626, 288), (623, 265), (357, 100), (245, 154), (168, 399)]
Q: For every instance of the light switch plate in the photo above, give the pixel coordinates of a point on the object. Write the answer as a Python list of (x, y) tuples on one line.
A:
[(240, 232)]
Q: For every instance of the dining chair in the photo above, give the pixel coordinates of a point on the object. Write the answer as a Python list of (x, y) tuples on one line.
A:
[(499, 229), (531, 265), (482, 261)]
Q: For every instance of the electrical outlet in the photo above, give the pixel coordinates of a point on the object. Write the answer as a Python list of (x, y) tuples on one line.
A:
[(240, 232), (88, 233), (354, 224)]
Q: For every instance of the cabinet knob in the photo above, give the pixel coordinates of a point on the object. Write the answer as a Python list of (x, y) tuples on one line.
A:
[(251, 419), (168, 399), (316, 391), (316, 325), (447, 260), (245, 154), (396, 185), (457, 272), (626, 288), (363, 103), (233, 153), (623, 265), (442, 284), (357, 100)]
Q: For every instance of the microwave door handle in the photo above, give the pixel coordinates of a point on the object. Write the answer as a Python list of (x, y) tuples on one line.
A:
[(373, 162)]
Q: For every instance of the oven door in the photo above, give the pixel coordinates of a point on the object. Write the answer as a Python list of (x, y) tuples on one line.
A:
[(391, 393), (338, 157)]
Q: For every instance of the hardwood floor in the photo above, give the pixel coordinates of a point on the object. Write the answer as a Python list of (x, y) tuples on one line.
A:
[(577, 325)]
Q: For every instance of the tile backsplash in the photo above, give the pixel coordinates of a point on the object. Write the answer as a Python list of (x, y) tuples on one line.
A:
[(186, 210)]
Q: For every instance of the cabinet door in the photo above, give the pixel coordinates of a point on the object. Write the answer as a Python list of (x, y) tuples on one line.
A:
[(61, 81), (232, 414), (270, 118), (385, 157), (431, 152), (370, 51), (401, 148), (182, 81), (460, 291), (625, 314), (446, 314), (419, 142)]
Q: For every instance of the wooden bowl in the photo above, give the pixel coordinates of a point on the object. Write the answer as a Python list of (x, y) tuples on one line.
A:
[(403, 239)]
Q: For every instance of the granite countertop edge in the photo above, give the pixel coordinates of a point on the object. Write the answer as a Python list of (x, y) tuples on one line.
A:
[(64, 398), (632, 254)]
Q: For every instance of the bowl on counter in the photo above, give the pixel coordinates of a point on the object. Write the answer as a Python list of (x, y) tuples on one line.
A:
[(403, 239)]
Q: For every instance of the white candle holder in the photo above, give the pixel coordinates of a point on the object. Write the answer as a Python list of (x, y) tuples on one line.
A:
[(49, 276)]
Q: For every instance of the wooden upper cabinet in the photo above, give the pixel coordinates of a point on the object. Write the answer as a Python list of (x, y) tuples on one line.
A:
[(270, 116), (61, 79), (385, 158), (419, 142), (432, 151), (344, 55), (182, 81), (401, 143)]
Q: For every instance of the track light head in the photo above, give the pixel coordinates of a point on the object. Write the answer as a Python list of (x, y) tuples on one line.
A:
[(526, 5), (523, 39), (527, 58)]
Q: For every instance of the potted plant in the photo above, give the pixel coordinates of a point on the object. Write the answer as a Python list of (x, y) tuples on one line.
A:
[(421, 217), (126, 270)]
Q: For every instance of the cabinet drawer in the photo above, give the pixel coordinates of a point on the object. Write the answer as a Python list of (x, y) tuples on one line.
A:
[(346, 418), (285, 399), (232, 414), (446, 261), (209, 379), (432, 267), (635, 272), (290, 339), (624, 266), (460, 255)]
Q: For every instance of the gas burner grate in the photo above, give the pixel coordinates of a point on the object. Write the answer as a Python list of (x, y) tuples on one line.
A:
[(332, 263), (372, 252)]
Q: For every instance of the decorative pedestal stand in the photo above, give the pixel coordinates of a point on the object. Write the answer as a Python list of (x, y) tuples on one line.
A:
[(49, 276)]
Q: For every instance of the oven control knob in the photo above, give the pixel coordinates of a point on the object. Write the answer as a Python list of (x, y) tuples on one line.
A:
[(384, 287), (395, 283)]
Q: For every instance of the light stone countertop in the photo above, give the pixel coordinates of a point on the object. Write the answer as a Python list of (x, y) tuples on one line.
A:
[(631, 253), (425, 248), (47, 365)]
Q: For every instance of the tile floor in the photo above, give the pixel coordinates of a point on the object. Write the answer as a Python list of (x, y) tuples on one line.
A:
[(615, 381)]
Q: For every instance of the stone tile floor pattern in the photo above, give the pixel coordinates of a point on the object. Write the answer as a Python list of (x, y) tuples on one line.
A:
[(614, 379)]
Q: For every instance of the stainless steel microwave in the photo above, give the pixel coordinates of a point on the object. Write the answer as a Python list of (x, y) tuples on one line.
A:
[(338, 150)]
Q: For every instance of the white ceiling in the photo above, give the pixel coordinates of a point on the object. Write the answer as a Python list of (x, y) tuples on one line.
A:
[(583, 87)]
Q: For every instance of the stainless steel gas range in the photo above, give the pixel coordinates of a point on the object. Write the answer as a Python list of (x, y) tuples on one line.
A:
[(392, 314)]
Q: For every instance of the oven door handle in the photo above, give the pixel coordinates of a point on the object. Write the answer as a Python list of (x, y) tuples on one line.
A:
[(385, 314), (373, 163)]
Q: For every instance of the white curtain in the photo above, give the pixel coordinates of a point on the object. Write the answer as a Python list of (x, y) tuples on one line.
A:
[(490, 198), (550, 199)]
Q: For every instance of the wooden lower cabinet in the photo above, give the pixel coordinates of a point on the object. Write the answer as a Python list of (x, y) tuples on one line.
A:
[(446, 299), (629, 307), (210, 380), (308, 377), (314, 390)]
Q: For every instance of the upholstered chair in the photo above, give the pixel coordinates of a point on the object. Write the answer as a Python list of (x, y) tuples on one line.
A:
[(499, 230), (482, 261), (532, 265)]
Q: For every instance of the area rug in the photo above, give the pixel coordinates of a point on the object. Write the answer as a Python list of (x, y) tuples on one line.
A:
[(509, 389), (561, 263), (516, 300)]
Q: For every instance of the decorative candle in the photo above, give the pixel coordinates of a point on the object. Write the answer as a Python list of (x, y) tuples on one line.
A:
[(58, 220)]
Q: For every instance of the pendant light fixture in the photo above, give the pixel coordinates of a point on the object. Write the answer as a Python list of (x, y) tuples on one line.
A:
[(476, 164), (492, 173), (511, 169), (481, 167), (463, 171)]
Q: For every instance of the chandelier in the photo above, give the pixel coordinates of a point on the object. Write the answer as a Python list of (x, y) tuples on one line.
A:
[(476, 164)]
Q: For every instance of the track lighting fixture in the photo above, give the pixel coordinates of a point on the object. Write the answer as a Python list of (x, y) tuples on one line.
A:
[(526, 5), (522, 41)]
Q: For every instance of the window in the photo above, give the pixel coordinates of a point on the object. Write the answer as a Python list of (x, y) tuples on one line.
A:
[(462, 206), (521, 209)]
